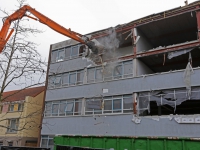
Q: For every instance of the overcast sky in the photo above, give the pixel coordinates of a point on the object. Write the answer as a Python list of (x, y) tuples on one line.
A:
[(85, 16)]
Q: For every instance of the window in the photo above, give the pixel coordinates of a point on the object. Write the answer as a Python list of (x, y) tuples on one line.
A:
[(94, 75), (61, 54), (117, 73), (67, 53), (118, 104), (13, 125), (63, 108), (112, 104), (51, 81), (10, 143), (65, 79), (75, 51), (57, 81), (69, 108), (91, 75), (127, 103), (72, 78), (11, 107), (78, 106), (20, 106), (55, 108), (48, 109), (80, 75), (99, 74), (128, 69), (93, 106), (53, 56), (171, 101), (47, 141)]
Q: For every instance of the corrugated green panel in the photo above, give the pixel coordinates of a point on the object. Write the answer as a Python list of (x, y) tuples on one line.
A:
[(192, 145), (127, 143), (155, 144)]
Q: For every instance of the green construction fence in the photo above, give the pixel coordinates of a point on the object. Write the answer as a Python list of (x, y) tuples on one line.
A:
[(66, 142)]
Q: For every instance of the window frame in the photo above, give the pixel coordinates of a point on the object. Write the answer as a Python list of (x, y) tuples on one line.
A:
[(11, 130), (12, 107)]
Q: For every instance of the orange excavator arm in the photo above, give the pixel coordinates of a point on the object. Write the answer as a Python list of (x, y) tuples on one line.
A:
[(4, 35)]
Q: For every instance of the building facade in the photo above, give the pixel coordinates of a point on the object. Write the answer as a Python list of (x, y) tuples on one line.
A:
[(21, 112), (145, 82)]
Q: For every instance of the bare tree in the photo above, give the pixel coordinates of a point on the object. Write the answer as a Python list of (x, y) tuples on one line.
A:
[(20, 63)]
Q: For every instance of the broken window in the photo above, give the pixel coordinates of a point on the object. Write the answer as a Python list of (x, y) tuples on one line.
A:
[(78, 106), (53, 56), (93, 106), (61, 55), (72, 78), (117, 73), (65, 79), (81, 50), (91, 75), (108, 72), (74, 51), (143, 105), (67, 53), (167, 102), (80, 75), (128, 69), (167, 32)]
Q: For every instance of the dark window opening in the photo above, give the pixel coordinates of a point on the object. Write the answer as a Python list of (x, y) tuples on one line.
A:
[(189, 107), (161, 62), (166, 32)]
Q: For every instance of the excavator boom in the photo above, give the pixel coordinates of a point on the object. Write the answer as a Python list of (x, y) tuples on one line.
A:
[(20, 13)]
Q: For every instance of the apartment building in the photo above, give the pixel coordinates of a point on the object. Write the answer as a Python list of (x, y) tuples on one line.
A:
[(144, 83), (21, 112)]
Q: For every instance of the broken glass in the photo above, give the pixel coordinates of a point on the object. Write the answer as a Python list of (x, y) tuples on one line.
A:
[(117, 73), (128, 69), (178, 53)]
